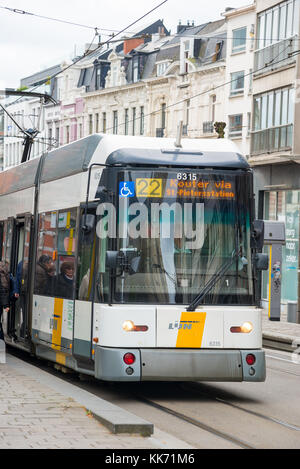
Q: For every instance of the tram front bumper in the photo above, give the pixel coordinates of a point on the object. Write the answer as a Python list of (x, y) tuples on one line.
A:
[(179, 365)]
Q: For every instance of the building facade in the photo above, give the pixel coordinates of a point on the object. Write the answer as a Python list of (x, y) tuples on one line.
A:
[(275, 146), (239, 63)]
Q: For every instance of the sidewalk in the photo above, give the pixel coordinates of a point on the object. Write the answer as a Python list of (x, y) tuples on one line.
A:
[(41, 411), (281, 334)]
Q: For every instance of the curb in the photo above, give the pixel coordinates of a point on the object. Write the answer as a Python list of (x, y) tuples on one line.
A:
[(114, 418), (280, 342)]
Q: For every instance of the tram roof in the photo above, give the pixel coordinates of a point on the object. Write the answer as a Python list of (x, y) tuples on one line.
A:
[(76, 157)]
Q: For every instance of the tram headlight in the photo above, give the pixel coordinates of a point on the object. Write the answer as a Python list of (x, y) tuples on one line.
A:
[(245, 328), (128, 326)]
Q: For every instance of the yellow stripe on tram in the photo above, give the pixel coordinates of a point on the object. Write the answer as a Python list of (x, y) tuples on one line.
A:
[(191, 330), (57, 323)]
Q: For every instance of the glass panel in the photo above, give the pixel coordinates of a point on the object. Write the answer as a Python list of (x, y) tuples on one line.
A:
[(277, 108), (237, 82), (289, 20), (291, 106), (275, 35), (284, 107), (296, 17), (282, 23), (270, 110), (283, 137), (45, 269), (239, 39), (290, 251), (184, 228), (261, 27), (257, 109), (268, 28), (264, 102), (66, 246)]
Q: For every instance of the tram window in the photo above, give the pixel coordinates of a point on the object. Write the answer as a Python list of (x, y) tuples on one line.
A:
[(66, 245), (1, 239), (8, 241), (86, 265), (45, 269)]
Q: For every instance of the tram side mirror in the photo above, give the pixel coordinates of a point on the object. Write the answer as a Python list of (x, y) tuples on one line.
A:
[(257, 235), (113, 260), (88, 223), (127, 261), (261, 261)]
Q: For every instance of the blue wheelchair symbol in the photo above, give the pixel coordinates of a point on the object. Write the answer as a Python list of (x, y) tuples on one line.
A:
[(126, 189)]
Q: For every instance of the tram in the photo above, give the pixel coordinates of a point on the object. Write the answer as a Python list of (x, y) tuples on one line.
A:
[(137, 259)]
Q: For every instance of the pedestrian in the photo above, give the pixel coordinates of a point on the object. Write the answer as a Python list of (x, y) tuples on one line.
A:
[(65, 280), (4, 292), (44, 276)]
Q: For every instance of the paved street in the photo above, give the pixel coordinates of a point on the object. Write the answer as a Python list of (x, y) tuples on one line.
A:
[(40, 410)]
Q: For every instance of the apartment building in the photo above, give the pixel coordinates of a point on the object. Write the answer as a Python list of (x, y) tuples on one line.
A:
[(239, 63), (275, 145)]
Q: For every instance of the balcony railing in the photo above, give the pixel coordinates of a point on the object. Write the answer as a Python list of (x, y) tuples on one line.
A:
[(208, 127), (272, 139), (274, 56)]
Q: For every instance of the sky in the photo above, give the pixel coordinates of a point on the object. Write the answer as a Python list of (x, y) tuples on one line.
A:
[(29, 44)]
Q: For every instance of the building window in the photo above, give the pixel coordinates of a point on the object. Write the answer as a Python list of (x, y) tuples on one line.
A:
[(126, 119), (133, 120), (273, 120), (97, 123), (135, 70), (98, 78), (278, 23), (115, 122), (239, 40), (104, 122), (90, 124), (161, 68), (57, 136), (213, 100), (237, 83), (142, 121), (235, 125)]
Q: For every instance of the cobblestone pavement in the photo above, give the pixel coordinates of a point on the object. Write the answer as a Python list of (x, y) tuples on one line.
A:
[(33, 415), (281, 327)]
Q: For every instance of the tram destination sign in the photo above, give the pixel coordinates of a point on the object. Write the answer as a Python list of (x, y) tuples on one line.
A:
[(187, 185)]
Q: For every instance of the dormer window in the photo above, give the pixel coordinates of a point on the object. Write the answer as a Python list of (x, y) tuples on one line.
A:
[(161, 68), (135, 70)]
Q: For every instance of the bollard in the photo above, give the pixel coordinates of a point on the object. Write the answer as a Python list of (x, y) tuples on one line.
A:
[(292, 312), (2, 352)]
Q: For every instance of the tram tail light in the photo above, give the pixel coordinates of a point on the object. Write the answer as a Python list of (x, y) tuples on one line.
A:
[(245, 328), (250, 359), (129, 326), (129, 358)]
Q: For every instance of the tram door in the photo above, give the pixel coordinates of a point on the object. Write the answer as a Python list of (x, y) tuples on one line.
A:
[(18, 324), (83, 311)]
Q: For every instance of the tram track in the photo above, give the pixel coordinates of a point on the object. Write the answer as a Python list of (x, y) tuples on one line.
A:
[(225, 436), (191, 387)]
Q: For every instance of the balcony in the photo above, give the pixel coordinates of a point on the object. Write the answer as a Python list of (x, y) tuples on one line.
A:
[(208, 127), (275, 56), (272, 139)]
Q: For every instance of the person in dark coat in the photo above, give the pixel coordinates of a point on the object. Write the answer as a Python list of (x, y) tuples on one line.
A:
[(44, 275), (4, 292), (65, 280)]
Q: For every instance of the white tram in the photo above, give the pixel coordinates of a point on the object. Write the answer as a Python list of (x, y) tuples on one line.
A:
[(135, 259)]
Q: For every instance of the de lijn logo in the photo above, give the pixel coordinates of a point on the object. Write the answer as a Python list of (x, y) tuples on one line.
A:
[(182, 325), (126, 189)]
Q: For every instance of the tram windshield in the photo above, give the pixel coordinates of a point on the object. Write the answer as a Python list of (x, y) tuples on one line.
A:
[(181, 228)]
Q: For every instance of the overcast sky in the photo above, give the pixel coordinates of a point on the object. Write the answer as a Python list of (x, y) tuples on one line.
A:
[(29, 44)]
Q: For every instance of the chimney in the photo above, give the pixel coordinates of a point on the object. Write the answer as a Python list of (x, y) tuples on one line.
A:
[(132, 43)]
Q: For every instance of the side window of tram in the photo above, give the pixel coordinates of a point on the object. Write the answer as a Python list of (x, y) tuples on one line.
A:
[(66, 246), (54, 275), (45, 268), (86, 264)]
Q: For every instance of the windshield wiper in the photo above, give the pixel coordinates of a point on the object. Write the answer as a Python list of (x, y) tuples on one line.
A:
[(212, 282)]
